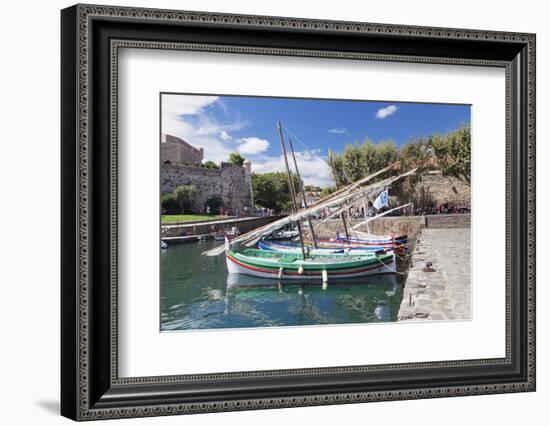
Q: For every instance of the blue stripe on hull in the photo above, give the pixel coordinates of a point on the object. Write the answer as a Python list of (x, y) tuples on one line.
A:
[(270, 246)]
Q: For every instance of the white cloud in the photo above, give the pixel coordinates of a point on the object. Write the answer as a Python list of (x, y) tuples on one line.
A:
[(386, 112), (252, 145), (184, 116), (338, 131), (185, 104), (225, 136), (207, 127), (313, 169)]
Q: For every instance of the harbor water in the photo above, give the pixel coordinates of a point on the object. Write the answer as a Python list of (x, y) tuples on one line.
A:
[(198, 293)]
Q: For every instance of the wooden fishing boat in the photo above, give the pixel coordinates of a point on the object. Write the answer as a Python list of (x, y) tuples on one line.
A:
[(398, 248), (373, 239), (356, 243), (336, 248), (271, 264)]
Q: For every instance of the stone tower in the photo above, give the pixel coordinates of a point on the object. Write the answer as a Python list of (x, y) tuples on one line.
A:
[(248, 181)]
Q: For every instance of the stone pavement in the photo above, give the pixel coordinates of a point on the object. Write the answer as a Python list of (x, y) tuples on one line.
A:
[(446, 293)]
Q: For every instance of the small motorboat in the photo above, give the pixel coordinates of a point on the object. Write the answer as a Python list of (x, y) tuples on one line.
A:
[(233, 232)]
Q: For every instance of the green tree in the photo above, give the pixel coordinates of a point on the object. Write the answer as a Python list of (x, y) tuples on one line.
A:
[(210, 165), (271, 190), (359, 160), (184, 195), (336, 163), (325, 192), (169, 204), (457, 161), (450, 152), (414, 153), (354, 162), (386, 154), (236, 158), (370, 157)]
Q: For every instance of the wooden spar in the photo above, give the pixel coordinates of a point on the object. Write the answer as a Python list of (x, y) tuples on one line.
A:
[(358, 183), (291, 188), (365, 215), (381, 214), (345, 222), (338, 211), (302, 190), (336, 184)]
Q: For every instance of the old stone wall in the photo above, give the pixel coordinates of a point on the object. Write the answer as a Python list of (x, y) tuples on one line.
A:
[(382, 226), (409, 225), (206, 227), (228, 182), (448, 221), (236, 189), (436, 189)]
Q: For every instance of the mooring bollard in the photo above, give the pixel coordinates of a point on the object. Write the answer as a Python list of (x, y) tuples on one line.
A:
[(428, 267)]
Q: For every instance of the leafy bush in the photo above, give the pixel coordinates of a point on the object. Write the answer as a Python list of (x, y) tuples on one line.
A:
[(210, 165), (271, 190), (184, 195), (325, 192), (236, 158), (169, 204)]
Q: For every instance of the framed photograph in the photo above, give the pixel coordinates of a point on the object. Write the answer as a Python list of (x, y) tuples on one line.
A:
[(263, 212)]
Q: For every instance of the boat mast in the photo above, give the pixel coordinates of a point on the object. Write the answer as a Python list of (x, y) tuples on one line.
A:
[(344, 214), (291, 187), (303, 191)]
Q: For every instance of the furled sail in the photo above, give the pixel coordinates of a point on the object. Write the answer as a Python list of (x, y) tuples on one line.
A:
[(348, 194)]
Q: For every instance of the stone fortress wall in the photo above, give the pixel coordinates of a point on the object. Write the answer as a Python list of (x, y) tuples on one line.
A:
[(232, 183)]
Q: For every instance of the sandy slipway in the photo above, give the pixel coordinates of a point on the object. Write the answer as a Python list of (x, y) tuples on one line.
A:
[(446, 293)]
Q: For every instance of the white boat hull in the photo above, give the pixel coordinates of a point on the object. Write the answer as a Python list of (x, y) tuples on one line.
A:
[(236, 267)]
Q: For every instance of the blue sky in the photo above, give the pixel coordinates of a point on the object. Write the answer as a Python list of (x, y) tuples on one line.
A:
[(224, 124)]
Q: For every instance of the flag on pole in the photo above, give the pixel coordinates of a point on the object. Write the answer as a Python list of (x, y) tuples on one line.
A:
[(381, 200)]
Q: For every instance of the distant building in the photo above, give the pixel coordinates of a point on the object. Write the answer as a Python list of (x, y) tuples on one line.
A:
[(312, 197), (174, 150)]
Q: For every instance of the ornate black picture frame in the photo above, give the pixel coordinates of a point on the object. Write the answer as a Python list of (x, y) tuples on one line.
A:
[(91, 37)]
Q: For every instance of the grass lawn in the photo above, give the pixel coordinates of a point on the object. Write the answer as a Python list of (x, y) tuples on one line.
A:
[(173, 218)]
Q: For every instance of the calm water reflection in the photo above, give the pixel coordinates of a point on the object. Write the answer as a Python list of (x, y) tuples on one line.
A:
[(198, 293)]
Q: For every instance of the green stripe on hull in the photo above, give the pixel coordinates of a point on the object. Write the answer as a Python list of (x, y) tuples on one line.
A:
[(317, 263)]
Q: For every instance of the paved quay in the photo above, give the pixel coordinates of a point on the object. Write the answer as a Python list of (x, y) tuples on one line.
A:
[(446, 293)]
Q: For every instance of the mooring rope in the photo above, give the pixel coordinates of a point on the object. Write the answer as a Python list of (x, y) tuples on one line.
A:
[(390, 269)]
